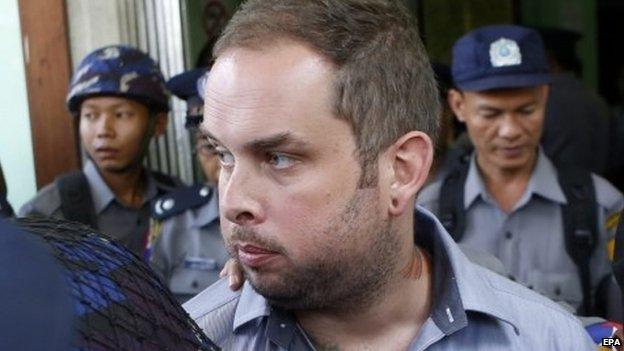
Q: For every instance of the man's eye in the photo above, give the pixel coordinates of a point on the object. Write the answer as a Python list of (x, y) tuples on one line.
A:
[(281, 161), (124, 114), (527, 112), (87, 115), (225, 158)]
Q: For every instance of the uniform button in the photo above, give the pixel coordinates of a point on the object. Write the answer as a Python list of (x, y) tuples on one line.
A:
[(530, 287), (194, 284), (511, 277), (508, 235), (557, 291)]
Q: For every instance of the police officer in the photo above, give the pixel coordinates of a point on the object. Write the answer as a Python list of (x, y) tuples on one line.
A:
[(551, 227), (185, 238), (119, 98)]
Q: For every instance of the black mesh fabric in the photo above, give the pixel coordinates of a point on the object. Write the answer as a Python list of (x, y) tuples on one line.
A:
[(119, 303)]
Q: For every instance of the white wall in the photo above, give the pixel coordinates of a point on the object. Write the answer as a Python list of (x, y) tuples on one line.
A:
[(16, 155)]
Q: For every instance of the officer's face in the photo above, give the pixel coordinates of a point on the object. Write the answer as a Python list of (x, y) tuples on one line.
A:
[(113, 129), (291, 211), (505, 126), (208, 160)]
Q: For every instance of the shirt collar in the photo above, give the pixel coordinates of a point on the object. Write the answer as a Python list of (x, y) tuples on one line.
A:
[(475, 290), (458, 287), (102, 195), (208, 213), (543, 182)]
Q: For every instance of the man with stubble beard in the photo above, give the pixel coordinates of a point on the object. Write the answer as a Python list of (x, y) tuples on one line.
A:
[(323, 114)]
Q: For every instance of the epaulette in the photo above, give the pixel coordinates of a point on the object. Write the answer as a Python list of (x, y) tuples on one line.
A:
[(180, 200)]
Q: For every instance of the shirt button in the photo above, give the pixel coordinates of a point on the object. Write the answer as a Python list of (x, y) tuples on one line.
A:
[(557, 291), (194, 284), (282, 325), (508, 235), (511, 277), (530, 287)]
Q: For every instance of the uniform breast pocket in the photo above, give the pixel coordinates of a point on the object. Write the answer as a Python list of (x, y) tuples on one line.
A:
[(194, 274), (564, 287)]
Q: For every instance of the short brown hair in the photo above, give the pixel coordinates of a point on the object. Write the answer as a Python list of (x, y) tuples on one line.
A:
[(384, 83)]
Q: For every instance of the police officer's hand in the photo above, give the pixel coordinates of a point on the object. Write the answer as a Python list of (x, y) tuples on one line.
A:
[(234, 272)]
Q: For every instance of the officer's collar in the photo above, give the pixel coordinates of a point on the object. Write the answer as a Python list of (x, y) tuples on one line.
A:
[(102, 194), (458, 286), (543, 182)]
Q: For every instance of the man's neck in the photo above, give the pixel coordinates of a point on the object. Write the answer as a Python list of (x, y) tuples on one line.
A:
[(392, 321), (128, 186), (506, 186)]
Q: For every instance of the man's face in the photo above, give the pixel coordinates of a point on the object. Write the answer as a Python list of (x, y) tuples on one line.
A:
[(505, 126), (112, 130), (208, 160), (291, 211)]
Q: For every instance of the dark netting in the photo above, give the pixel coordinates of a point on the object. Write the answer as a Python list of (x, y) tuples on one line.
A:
[(118, 301)]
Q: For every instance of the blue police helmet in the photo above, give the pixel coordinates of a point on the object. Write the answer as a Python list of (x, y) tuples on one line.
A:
[(499, 57), (119, 71), (65, 287)]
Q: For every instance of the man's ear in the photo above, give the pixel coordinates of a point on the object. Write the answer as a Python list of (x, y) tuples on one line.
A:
[(457, 103), (160, 123), (411, 157)]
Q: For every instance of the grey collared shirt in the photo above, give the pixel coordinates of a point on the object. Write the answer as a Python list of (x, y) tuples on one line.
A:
[(127, 225), (474, 309), (529, 240), (188, 251)]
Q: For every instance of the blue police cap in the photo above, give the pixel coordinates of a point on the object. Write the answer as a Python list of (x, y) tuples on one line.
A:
[(184, 85), (498, 57)]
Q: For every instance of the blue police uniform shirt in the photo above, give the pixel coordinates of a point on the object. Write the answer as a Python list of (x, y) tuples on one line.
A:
[(188, 251), (530, 239), (128, 226), (473, 309)]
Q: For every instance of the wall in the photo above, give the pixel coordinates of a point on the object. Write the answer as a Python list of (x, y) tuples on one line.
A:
[(577, 15), (16, 153)]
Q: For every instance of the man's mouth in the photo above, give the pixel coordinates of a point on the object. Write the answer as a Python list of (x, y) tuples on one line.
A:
[(254, 256), (511, 152), (106, 152)]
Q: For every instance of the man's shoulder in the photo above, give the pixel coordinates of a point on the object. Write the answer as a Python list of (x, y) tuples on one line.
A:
[(607, 196), (179, 204), (537, 318), (46, 202)]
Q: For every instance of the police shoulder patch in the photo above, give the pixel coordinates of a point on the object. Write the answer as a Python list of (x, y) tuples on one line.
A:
[(178, 201)]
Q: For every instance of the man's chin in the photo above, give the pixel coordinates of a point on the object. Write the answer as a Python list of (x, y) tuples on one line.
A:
[(277, 291), (112, 166)]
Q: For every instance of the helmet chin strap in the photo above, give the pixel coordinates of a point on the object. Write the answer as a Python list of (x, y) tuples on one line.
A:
[(145, 141)]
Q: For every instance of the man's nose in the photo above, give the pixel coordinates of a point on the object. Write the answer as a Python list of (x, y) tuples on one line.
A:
[(240, 194), (105, 126), (509, 127)]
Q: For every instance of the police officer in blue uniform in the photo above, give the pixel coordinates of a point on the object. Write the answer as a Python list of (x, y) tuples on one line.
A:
[(186, 246), (119, 98), (551, 226)]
